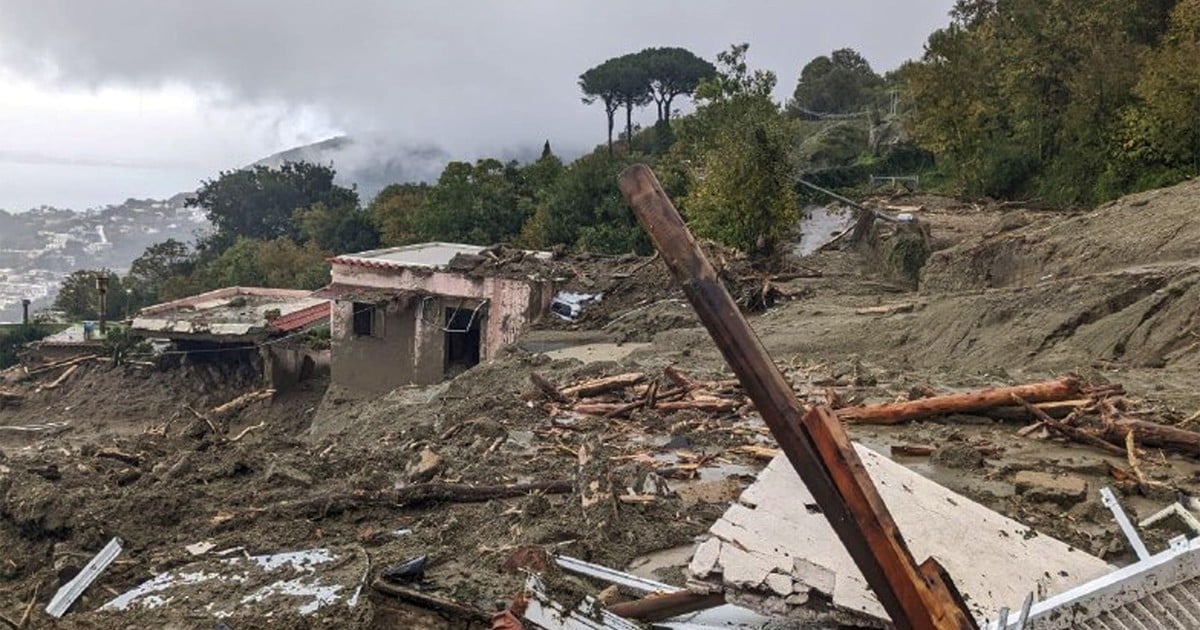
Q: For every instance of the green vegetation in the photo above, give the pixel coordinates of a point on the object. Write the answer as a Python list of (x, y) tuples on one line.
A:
[(1064, 100), (13, 337), (1069, 101)]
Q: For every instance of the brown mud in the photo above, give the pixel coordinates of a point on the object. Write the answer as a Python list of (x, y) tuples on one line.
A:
[(1008, 295)]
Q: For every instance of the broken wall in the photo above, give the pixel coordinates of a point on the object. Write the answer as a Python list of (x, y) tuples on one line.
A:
[(286, 365)]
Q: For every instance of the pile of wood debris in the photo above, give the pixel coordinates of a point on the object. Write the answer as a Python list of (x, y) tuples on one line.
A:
[(1099, 415)]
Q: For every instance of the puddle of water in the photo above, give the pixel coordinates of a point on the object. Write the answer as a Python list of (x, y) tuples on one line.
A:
[(592, 352), (819, 225), (645, 566)]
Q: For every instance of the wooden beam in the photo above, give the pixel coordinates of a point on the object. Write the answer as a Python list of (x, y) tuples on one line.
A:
[(815, 443)]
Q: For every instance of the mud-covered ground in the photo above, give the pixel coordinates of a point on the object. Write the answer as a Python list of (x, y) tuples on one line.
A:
[(1009, 295)]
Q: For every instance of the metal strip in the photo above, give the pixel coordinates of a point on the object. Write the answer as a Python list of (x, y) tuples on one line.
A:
[(641, 585), (1131, 534), (73, 589)]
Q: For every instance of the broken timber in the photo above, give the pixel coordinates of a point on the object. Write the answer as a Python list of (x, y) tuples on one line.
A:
[(918, 597)]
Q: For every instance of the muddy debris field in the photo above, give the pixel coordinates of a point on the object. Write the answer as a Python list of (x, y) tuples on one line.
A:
[(618, 438)]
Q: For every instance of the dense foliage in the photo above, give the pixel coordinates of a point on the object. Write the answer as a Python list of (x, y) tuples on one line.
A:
[(1071, 101)]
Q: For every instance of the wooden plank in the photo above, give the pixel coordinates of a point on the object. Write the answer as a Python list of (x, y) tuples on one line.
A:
[(816, 444)]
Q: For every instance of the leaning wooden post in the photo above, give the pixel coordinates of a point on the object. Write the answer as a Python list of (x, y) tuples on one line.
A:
[(921, 598)]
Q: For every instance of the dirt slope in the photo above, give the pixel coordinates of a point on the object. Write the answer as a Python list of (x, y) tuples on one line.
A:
[(1149, 228)]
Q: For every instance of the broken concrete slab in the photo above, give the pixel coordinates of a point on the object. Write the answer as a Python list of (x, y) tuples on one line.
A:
[(776, 529), (305, 583), (1064, 490)]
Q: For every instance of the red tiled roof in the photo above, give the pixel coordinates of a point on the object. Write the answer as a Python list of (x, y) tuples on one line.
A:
[(301, 318)]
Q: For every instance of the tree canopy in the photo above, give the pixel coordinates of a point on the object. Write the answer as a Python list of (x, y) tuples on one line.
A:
[(1065, 100), (261, 202), (840, 83), (657, 75)]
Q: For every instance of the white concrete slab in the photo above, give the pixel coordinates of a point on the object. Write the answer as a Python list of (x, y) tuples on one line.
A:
[(775, 530)]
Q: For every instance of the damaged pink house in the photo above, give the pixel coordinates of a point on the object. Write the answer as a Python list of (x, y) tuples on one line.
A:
[(419, 313)]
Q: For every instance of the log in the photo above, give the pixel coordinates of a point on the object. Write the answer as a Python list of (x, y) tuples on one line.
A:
[(65, 363), (604, 409), (1067, 430), (548, 389), (658, 607), (916, 597), (896, 413), (1154, 434), (679, 378), (420, 494), (432, 602), (887, 309), (602, 385), (706, 405), (121, 456), (241, 402), (62, 377), (913, 450), (1054, 409)]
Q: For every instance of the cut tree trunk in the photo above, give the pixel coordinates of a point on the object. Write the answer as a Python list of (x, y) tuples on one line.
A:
[(896, 413)]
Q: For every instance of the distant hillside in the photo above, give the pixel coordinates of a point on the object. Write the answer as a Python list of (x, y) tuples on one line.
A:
[(370, 163)]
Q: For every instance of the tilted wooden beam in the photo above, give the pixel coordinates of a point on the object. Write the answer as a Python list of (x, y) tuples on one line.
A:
[(918, 597)]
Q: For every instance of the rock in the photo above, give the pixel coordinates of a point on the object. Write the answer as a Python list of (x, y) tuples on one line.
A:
[(283, 472), (779, 583), (1064, 490), (182, 466), (427, 466)]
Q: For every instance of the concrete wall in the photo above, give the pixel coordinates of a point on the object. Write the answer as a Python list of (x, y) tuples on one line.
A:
[(378, 363), (411, 348)]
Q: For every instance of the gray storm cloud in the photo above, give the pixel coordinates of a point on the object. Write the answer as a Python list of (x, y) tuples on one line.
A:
[(473, 77)]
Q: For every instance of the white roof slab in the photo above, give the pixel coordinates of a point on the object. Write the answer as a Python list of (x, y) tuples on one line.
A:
[(775, 534), (419, 255)]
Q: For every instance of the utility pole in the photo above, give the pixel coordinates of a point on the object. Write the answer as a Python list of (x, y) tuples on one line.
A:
[(25, 312), (102, 287)]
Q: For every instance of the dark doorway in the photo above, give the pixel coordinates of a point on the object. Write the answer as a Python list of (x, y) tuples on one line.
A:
[(463, 326)]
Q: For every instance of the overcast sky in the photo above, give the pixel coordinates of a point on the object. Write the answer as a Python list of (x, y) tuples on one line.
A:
[(100, 101)]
